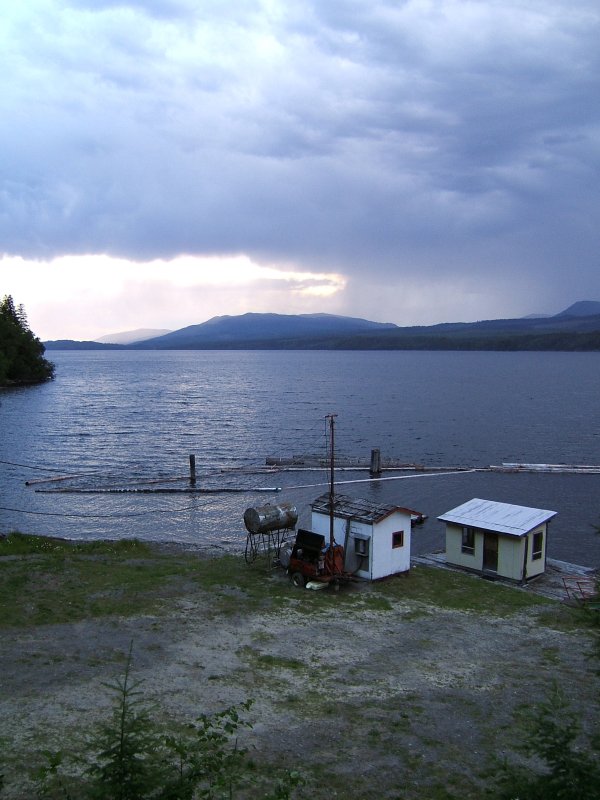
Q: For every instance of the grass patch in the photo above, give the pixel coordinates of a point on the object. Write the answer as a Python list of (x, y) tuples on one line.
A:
[(376, 602), (459, 591), (567, 618), (18, 544), (263, 661), (240, 588), (278, 662), (49, 581)]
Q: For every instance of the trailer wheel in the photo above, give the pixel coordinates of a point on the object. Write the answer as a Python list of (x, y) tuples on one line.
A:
[(298, 580)]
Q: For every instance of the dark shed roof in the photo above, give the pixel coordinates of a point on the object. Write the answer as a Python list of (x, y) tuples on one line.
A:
[(356, 508)]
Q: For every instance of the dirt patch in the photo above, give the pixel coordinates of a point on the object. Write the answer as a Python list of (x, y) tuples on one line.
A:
[(369, 703)]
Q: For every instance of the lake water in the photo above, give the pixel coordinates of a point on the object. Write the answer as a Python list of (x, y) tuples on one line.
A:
[(115, 418)]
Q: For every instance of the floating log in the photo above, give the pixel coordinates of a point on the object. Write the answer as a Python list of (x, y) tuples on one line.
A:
[(175, 479), (309, 462), (222, 490), (51, 480), (579, 469)]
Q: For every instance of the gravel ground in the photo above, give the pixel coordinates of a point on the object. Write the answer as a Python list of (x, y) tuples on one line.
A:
[(383, 703)]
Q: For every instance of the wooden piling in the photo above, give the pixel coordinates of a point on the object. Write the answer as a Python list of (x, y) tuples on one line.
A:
[(375, 468), (192, 470)]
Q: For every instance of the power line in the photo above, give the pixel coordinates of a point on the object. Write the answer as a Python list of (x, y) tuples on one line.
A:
[(30, 466), (99, 516), (390, 478)]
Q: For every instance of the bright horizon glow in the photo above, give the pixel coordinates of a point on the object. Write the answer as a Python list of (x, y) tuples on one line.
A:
[(90, 296)]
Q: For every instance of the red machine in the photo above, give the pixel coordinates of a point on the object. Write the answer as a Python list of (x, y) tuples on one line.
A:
[(310, 560)]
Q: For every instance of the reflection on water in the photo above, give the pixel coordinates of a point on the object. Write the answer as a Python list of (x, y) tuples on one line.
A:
[(114, 418)]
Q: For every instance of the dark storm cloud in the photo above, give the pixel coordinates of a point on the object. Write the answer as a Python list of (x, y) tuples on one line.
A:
[(408, 140)]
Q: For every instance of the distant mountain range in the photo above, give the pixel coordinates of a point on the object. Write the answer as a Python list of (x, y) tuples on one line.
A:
[(256, 330), (583, 308), (575, 328), (131, 337)]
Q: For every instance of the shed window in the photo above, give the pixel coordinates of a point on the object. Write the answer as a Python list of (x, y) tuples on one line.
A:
[(361, 547), (538, 546), (398, 539), (468, 541)]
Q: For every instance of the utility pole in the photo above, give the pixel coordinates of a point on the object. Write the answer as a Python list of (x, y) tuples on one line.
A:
[(331, 418)]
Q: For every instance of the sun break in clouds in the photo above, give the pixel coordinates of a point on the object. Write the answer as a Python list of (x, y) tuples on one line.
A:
[(86, 297)]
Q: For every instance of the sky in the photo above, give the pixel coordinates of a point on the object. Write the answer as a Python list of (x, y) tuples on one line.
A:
[(409, 161)]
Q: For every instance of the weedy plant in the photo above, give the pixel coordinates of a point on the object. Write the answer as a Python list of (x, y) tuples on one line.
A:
[(130, 757)]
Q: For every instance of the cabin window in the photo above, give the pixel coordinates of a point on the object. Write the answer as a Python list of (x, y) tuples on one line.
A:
[(398, 539), (361, 547), (468, 541), (538, 546)]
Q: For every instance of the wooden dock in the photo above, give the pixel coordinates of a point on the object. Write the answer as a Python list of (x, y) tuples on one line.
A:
[(569, 583)]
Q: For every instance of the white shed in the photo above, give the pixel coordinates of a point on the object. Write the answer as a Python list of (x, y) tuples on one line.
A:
[(376, 538), (497, 538)]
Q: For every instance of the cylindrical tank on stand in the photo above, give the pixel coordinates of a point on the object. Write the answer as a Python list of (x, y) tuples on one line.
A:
[(270, 517)]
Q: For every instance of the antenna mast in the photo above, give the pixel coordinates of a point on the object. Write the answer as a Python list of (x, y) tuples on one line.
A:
[(331, 418)]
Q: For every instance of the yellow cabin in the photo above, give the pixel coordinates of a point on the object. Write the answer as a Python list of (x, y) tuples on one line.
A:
[(497, 539)]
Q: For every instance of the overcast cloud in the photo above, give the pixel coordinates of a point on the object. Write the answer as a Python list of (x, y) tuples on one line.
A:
[(426, 161)]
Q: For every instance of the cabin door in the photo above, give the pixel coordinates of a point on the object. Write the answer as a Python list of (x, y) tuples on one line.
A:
[(490, 552)]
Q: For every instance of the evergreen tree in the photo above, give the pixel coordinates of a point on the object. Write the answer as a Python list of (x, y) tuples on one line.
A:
[(126, 766), (568, 768), (133, 757), (21, 352)]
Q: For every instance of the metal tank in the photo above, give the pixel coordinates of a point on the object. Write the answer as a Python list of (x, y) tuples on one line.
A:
[(270, 518)]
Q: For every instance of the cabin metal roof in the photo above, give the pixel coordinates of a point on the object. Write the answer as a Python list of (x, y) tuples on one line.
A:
[(356, 508), (505, 518)]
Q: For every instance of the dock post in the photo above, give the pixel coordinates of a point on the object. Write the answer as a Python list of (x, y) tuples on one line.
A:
[(192, 470), (375, 468)]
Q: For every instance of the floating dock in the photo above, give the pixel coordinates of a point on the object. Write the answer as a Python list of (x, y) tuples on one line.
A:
[(577, 469), (295, 463), (311, 462)]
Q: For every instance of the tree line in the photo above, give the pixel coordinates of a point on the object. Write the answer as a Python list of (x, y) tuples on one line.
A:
[(21, 352)]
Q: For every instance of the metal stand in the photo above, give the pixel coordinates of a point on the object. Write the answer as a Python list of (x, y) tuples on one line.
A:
[(267, 544)]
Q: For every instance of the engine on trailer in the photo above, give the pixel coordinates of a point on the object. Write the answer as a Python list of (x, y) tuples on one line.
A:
[(310, 559)]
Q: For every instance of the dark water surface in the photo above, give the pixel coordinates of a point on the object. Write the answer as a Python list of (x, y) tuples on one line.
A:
[(113, 418)]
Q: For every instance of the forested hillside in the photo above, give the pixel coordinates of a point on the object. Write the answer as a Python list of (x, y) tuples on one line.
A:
[(21, 352)]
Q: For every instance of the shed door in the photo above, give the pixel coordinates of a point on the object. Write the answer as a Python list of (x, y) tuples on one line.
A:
[(490, 552)]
